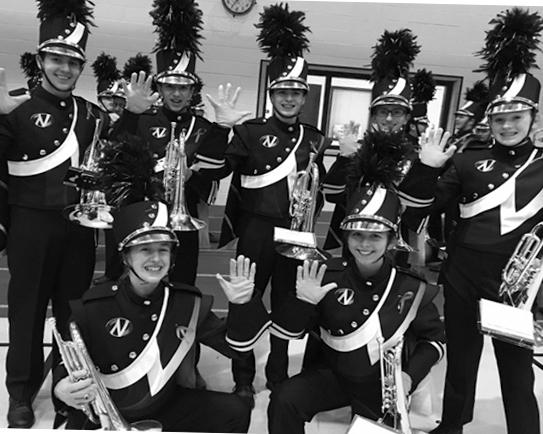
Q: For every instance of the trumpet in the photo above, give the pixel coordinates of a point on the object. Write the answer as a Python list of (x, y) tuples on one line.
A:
[(175, 173), (512, 320), (92, 210), (102, 409), (300, 242)]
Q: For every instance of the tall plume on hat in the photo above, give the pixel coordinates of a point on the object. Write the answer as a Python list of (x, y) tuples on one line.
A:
[(179, 25), (80, 10), (283, 38), (478, 92), (423, 91), (30, 68), (107, 74), (137, 63), (127, 168)]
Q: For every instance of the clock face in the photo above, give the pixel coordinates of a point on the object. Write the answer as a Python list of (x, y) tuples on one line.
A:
[(238, 7)]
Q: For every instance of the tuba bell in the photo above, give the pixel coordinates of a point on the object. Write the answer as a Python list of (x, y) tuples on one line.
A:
[(300, 242), (395, 406), (512, 319), (92, 210), (175, 173), (101, 410)]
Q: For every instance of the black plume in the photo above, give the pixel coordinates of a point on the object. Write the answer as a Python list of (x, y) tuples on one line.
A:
[(478, 93), (282, 32), (81, 10), (105, 68), (178, 24), (29, 65), (511, 45), (127, 168), (137, 63), (197, 93), (378, 159), (424, 86), (393, 54)]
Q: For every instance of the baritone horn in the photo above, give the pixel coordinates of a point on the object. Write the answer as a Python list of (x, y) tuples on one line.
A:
[(300, 242), (175, 173), (512, 319), (394, 407), (101, 410)]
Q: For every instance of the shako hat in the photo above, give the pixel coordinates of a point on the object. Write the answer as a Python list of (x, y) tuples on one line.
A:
[(509, 53), (476, 101), (283, 38), (107, 76), (374, 170), (424, 89), (64, 27), (136, 192), (392, 57), (178, 24)]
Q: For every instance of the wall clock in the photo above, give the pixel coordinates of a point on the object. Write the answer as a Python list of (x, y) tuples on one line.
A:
[(238, 7)]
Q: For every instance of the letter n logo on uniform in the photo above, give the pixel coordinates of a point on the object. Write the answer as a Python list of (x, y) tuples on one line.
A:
[(269, 141), (42, 120), (158, 132), (345, 296), (119, 327)]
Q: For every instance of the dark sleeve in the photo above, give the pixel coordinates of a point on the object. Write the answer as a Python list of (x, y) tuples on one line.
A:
[(334, 183), (4, 207), (294, 319), (211, 154), (425, 339)]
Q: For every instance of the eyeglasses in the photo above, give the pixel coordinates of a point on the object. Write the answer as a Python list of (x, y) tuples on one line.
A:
[(394, 113)]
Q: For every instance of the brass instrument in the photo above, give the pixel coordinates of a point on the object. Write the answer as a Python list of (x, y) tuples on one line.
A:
[(394, 406), (102, 409), (92, 210), (512, 320), (175, 173), (300, 242)]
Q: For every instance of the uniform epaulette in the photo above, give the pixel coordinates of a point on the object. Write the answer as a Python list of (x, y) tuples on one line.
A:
[(178, 286), (411, 272), (104, 290), (336, 263)]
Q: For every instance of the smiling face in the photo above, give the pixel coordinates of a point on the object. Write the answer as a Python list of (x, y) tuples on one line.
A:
[(389, 118), (61, 73), (176, 97), (368, 247), (509, 129), (287, 103), (151, 261)]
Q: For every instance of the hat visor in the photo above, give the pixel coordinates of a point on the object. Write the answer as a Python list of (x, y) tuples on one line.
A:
[(148, 236), (289, 83), (63, 49), (502, 105), (391, 100), (367, 223), (175, 78)]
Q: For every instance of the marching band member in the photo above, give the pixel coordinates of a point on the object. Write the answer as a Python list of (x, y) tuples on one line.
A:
[(265, 155), (355, 301), (498, 191), (49, 257)]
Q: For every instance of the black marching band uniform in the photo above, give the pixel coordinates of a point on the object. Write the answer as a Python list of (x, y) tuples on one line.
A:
[(351, 319), (499, 193), (49, 257), (144, 347), (265, 155), (176, 65)]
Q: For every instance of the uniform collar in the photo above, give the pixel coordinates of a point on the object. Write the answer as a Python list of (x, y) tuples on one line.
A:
[(173, 116), (375, 282), (40, 92), (524, 148), (156, 295), (287, 128)]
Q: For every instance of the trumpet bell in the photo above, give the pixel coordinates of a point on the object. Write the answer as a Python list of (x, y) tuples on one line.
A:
[(96, 216), (301, 253), (186, 223)]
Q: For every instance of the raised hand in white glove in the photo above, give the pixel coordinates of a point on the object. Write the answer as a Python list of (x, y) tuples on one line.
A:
[(432, 147), (239, 289), (347, 136), (308, 282), (224, 106), (7, 102), (139, 96)]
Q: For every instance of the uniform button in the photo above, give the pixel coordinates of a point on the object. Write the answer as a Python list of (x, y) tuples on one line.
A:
[(178, 118), (344, 263), (363, 201), (151, 215), (67, 31), (264, 120), (255, 171), (475, 195), (490, 186), (155, 155), (289, 66), (268, 167), (366, 312), (354, 324), (154, 317), (25, 157), (132, 354), (114, 368), (42, 152), (293, 139), (145, 337), (279, 159), (375, 297), (369, 283), (65, 130), (56, 142), (291, 128), (70, 116), (517, 166), (340, 331), (114, 288), (147, 302), (505, 175), (511, 152), (153, 206), (63, 103), (287, 149)]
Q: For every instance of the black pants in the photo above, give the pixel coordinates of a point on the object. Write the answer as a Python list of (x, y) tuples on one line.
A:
[(464, 347), (256, 242), (191, 410), (295, 401), (49, 259)]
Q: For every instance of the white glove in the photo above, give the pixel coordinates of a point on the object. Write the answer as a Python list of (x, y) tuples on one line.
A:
[(239, 289), (432, 147), (347, 136), (77, 393), (7, 102), (224, 106), (308, 282), (139, 96)]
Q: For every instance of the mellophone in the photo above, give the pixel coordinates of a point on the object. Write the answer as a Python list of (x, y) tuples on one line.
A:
[(512, 320)]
